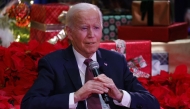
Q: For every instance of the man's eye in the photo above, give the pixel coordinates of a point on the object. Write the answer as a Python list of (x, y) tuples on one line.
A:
[(84, 28), (96, 27)]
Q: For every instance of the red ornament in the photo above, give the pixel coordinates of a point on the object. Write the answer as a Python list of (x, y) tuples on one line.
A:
[(21, 13)]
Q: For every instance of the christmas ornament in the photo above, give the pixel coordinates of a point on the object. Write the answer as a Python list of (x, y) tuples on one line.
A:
[(20, 12)]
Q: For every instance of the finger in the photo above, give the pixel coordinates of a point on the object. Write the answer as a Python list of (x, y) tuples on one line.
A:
[(102, 75), (110, 86), (100, 86), (96, 87), (104, 79), (99, 91)]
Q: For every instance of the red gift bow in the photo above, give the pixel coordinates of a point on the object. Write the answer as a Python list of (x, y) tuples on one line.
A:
[(120, 46)]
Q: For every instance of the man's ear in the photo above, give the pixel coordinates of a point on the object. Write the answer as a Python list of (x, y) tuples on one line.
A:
[(68, 32)]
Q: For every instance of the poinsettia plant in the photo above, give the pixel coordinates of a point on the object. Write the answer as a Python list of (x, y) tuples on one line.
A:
[(19, 69), (171, 89)]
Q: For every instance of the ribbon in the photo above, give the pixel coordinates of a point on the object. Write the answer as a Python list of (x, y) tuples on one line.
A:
[(147, 8), (136, 64), (47, 27), (120, 46), (51, 28), (62, 17), (59, 37)]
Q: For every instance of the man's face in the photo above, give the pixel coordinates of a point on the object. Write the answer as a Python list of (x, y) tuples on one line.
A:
[(86, 32)]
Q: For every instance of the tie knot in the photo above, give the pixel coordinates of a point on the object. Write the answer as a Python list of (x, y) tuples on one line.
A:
[(87, 61)]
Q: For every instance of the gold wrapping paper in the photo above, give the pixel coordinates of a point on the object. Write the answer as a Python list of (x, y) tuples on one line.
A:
[(47, 27), (161, 14), (179, 52), (51, 28)]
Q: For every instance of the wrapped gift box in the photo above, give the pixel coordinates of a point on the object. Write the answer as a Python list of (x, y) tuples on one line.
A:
[(159, 62), (154, 33), (44, 21), (178, 52), (134, 49), (47, 13), (110, 24), (155, 12), (43, 35)]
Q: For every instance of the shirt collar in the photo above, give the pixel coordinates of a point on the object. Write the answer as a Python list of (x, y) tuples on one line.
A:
[(80, 58)]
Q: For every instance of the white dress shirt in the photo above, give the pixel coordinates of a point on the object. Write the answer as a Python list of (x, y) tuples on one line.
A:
[(126, 100)]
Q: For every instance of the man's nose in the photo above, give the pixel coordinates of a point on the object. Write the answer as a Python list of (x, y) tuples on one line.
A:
[(90, 32)]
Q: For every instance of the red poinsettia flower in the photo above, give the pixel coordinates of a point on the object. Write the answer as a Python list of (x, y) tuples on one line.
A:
[(185, 99), (4, 104), (18, 99), (171, 89), (19, 64), (160, 79)]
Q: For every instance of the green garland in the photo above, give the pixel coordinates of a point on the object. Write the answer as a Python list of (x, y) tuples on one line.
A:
[(24, 33)]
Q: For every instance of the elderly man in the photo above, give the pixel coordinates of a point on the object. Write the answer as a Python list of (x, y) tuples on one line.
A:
[(65, 82)]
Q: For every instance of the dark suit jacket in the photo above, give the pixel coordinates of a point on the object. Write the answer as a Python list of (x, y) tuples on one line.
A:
[(59, 76)]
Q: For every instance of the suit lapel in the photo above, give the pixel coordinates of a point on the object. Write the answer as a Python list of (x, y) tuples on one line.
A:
[(72, 68), (102, 62)]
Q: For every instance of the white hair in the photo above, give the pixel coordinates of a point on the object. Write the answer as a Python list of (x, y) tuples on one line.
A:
[(79, 7)]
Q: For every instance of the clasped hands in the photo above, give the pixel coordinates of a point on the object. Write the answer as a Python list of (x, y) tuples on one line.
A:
[(100, 84)]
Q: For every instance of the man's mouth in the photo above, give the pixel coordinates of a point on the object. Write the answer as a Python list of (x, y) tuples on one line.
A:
[(90, 43)]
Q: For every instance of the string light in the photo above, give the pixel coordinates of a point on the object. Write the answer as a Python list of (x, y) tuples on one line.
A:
[(18, 38), (31, 2), (19, 1)]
